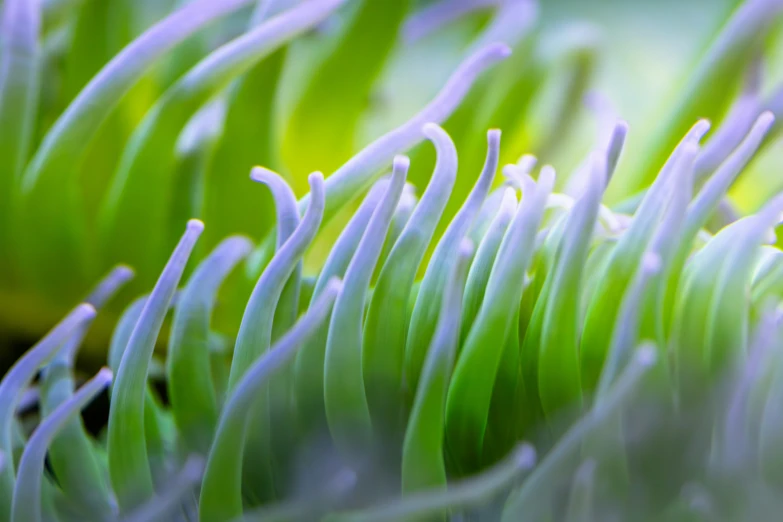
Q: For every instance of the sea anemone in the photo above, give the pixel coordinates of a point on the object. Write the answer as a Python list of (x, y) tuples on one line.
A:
[(514, 347)]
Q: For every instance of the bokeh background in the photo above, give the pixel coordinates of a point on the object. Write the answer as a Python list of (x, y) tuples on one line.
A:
[(645, 54)]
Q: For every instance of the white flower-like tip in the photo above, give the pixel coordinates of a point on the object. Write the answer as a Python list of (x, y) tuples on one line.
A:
[(766, 119), (699, 130), (503, 50), (86, 311), (509, 201), (105, 376), (651, 262), (261, 174), (123, 273), (527, 162), (195, 225), (334, 285), (493, 138), (560, 200), (525, 456), (466, 248), (409, 190), (431, 130), (622, 127), (646, 355), (401, 162), (519, 178)]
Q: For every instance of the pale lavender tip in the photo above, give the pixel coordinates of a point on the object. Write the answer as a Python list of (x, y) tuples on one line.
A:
[(646, 355), (525, 456), (334, 285), (195, 225), (105, 376), (466, 248), (766, 119), (430, 129), (401, 162), (86, 310), (259, 174), (493, 137)]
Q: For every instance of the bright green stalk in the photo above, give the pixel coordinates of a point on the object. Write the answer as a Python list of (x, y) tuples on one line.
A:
[(481, 267), (129, 468), (72, 455), (220, 498), (17, 378), (385, 327), (191, 391), (309, 366), (603, 308), (427, 308), (423, 465), (26, 506), (255, 333), (558, 360), (347, 412), (470, 390)]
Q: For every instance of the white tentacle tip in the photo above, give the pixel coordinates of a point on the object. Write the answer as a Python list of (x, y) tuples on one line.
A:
[(195, 225), (509, 201), (123, 272), (466, 248), (105, 376), (315, 177), (651, 262), (334, 285), (527, 162), (766, 119), (493, 137), (86, 311), (261, 174), (401, 163), (701, 128), (518, 178), (621, 128), (501, 49), (431, 130), (647, 355), (525, 456), (239, 244)]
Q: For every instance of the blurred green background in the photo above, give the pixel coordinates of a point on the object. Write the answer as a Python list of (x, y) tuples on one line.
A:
[(645, 53)]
